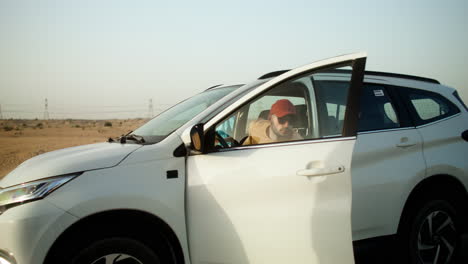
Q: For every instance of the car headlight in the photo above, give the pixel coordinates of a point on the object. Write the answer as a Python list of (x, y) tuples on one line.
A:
[(31, 191)]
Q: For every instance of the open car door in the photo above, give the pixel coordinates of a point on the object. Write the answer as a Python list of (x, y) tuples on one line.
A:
[(286, 201)]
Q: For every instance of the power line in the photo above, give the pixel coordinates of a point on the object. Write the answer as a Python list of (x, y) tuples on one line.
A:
[(15, 111), (25, 112), (99, 112), (73, 113)]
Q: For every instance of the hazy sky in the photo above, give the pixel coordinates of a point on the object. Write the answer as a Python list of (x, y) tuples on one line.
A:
[(106, 59)]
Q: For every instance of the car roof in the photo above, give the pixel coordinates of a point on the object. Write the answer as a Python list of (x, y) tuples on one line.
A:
[(389, 78), (367, 73), (396, 79)]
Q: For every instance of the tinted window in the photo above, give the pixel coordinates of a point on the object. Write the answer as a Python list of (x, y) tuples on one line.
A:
[(333, 108), (377, 111), (428, 106)]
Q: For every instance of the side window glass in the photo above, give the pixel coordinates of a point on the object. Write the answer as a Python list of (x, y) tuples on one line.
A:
[(334, 95), (429, 106), (260, 109), (390, 112), (226, 128), (312, 106), (279, 115), (376, 110)]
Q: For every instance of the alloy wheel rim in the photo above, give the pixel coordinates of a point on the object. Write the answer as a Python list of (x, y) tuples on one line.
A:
[(437, 238), (117, 258)]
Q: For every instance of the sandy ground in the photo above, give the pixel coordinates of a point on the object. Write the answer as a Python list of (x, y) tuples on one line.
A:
[(24, 139)]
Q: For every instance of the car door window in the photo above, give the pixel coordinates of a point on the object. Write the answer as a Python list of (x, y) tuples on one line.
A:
[(245, 191), (300, 109), (250, 124), (333, 108), (377, 111)]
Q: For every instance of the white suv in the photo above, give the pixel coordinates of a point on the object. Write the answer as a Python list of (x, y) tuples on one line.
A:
[(373, 156)]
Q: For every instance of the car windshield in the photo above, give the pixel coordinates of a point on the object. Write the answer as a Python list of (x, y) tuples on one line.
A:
[(165, 123)]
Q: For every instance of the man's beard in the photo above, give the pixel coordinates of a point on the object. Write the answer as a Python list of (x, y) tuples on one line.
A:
[(286, 132)]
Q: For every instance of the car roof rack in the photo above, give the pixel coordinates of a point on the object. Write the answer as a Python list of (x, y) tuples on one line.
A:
[(223, 86), (272, 74), (214, 86), (374, 73)]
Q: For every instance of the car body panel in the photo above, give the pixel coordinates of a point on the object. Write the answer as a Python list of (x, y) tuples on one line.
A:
[(28, 231), (69, 160), (250, 206), (139, 184), (438, 141), (387, 173)]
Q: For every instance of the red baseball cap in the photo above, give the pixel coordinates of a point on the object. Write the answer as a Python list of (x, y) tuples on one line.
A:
[(282, 108)]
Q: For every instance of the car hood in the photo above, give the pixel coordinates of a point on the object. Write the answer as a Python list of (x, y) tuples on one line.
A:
[(69, 160)]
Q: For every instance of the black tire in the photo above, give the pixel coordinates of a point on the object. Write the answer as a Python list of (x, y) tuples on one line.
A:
[(431, 233), (116, 250)]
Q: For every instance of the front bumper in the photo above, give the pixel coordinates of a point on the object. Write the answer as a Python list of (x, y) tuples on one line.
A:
[(28, 231)]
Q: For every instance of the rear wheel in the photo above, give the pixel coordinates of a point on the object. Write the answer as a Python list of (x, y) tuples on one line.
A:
[(116, 251), (432, 233)]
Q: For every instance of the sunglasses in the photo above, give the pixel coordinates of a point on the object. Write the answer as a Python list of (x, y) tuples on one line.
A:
[(286, 118)]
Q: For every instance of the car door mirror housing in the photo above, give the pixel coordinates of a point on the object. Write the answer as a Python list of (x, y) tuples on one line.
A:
[(197, 139)]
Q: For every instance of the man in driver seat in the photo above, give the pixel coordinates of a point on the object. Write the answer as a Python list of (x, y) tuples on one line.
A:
[(277, 128)]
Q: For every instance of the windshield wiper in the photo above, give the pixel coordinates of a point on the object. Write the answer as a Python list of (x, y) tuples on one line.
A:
[(130, 136), (137, 138)]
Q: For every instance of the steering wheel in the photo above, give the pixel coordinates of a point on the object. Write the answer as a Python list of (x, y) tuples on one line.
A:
[(221, 140)]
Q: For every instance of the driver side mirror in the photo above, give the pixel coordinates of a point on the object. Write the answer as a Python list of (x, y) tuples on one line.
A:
[(197, 138)]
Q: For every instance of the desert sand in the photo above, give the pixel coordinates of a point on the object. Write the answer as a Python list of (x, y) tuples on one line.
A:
[(23, 139)]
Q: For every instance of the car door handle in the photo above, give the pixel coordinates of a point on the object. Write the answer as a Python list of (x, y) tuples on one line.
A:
[(405, 143), (321, 171)]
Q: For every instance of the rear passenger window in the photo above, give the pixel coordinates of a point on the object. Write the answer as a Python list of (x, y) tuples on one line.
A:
[(377, 111), (428, 106)]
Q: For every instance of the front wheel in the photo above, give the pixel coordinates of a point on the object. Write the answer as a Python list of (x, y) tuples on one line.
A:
[(433, 233), (116, 251)]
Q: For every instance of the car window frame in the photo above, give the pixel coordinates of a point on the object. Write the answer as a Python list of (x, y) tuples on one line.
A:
[(401, 109), (210, 132), (388, 94), (322, 109)]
